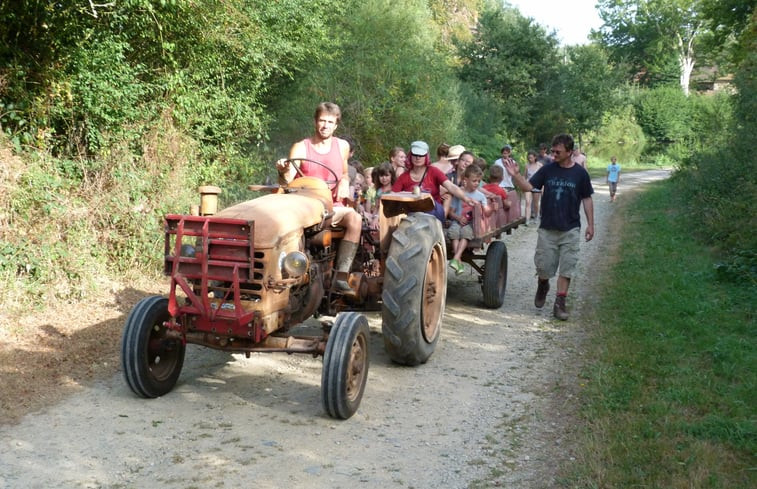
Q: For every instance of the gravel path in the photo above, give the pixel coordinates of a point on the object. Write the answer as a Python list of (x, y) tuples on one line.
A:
[(492, 406)]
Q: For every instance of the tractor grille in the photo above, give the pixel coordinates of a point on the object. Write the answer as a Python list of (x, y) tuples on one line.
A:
[(213, 257)]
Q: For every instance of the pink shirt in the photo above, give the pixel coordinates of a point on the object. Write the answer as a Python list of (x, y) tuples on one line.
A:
[(332, 159)]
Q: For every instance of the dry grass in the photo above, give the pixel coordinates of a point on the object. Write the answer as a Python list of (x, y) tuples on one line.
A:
[(47, 355), (60, 324)]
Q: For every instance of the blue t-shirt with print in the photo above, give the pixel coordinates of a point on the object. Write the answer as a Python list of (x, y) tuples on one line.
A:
[(613, 172), (563, 189)]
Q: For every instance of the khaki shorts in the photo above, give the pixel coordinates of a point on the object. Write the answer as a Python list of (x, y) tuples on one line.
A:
[(557, 249), (339, 213), (455, 231)]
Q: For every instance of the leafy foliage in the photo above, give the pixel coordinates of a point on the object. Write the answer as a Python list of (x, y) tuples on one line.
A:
[(665, 114), (209, 64), (728, 217), (589, 84), (657, 37), (392, 85), (727, 20), (513, 60)]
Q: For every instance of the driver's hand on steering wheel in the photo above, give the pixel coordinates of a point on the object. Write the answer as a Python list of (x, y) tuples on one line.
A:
[(282, 164)]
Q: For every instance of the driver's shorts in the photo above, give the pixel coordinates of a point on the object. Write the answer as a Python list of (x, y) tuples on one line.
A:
[(339, 213)]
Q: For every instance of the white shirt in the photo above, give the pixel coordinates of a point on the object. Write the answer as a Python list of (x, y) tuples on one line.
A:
[(507, 180)]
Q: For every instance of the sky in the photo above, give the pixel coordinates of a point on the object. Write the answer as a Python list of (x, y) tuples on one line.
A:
[(572, 19)]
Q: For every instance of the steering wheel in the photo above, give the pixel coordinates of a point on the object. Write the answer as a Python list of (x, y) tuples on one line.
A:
[(330, 183)]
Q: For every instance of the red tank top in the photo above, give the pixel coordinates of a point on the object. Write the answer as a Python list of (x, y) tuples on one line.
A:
[(333, 159)]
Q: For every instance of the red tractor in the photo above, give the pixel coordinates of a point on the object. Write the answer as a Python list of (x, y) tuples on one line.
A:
[(241, 279)]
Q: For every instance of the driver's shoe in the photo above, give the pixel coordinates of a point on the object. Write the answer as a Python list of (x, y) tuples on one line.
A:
[(344, 257), (342, 284)]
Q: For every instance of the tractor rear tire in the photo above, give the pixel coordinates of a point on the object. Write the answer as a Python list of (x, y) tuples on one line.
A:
[(415, 289), (345, 365), (151, 361), (495, 275)]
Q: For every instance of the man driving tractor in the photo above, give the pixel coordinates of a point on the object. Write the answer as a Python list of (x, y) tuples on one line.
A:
[(333, 153)]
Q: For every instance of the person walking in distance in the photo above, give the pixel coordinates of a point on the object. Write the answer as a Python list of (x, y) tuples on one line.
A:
[(613, 177), (506, 153), (579, 158), (543, 157), (333, 152), (565, 186), (532, 198)]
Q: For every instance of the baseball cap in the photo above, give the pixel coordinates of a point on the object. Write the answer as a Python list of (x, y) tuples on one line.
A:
[(419, 148), (507, 146), (455, 152)]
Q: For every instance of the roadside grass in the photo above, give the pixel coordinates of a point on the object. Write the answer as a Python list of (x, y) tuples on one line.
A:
[(671, 391)]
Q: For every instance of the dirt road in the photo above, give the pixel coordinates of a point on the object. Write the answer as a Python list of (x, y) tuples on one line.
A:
[(491, 407)]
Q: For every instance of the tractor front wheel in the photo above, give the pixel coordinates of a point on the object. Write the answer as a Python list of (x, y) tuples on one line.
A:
[(345, 365), (150, 359)]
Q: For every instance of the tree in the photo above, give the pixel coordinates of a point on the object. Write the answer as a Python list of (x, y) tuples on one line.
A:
[(646, 32), (514, 60), (727, 20), (95, 70), (391, 81), (588, 83)]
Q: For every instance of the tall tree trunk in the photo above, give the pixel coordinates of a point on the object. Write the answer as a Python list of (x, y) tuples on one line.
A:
[(686, 57), (687, 66)]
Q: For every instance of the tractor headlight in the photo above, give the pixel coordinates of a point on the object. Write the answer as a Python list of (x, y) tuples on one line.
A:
[(295, 264), (188, 250)]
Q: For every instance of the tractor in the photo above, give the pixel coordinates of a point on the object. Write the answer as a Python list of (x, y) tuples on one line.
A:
[(243, 278)]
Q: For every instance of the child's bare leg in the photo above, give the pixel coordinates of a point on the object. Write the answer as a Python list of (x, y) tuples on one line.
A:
[(459, 247)]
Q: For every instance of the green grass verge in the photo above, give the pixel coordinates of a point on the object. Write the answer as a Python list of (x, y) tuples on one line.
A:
[(670, 398)]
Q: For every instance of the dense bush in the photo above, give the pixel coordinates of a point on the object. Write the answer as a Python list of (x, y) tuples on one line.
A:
[(665, 114), (515, 61), (719, 182)]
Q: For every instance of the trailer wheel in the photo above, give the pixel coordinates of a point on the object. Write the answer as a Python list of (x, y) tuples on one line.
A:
[(345, 365), (495, 275), (415, 289), (151, 361)]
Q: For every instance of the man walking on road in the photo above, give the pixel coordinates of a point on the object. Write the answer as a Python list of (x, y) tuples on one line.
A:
[(565, 186)]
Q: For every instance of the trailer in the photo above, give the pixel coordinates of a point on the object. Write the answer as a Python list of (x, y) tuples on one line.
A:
[(487, 253)]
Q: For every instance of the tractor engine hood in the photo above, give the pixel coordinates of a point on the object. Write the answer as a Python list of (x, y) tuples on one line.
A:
[(277, 215)]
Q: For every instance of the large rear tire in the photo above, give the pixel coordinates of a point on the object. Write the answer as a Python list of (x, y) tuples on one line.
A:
[(345, 365), (495, 275), (415, 289), (151, 361)]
